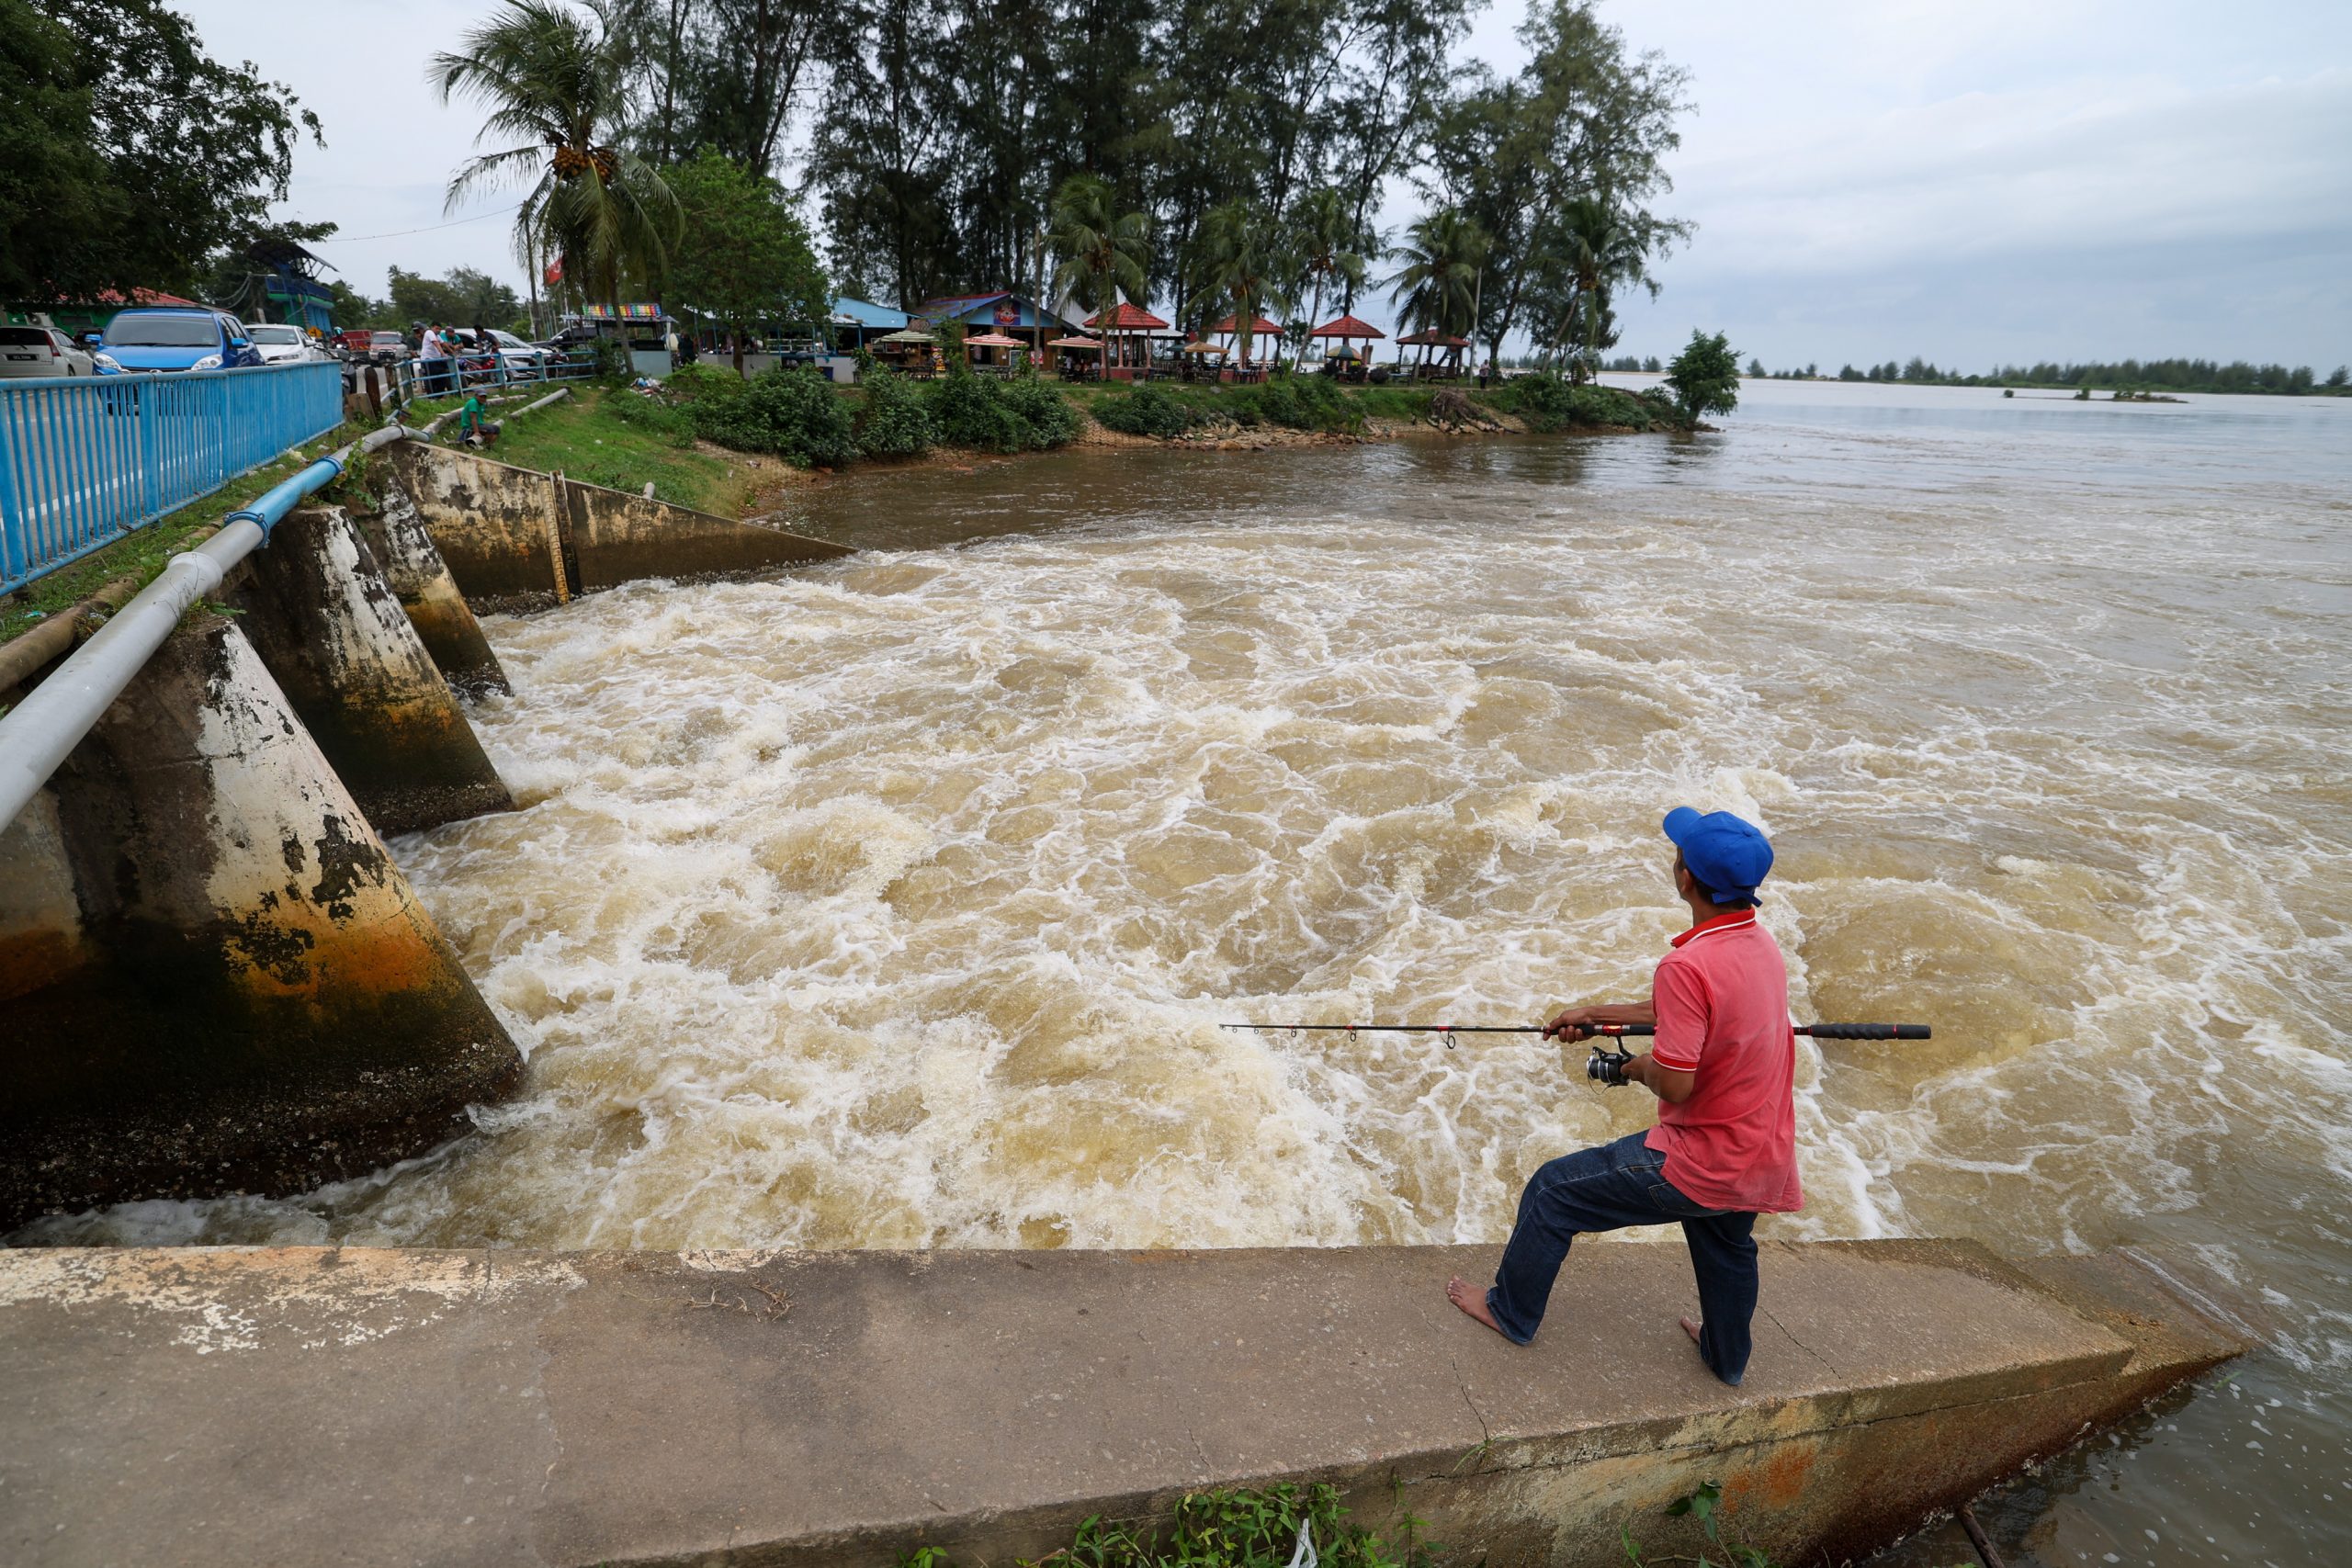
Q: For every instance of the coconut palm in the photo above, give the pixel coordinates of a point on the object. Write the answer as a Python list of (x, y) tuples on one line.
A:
[(1100, 251), (1598, 252), (552, 80), (1321, 231), (1437, 286), (1238, 266)]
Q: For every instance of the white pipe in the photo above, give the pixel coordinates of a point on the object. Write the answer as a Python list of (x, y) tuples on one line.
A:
[(39, 732)]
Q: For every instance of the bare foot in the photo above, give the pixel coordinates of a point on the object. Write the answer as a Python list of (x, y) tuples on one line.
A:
[(1472, 1300), (1691, 1329)]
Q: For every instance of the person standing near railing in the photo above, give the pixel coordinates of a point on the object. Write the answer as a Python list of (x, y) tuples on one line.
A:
[(432, 357)]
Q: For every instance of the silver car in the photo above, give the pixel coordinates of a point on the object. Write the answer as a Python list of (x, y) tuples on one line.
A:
[(42, 351)]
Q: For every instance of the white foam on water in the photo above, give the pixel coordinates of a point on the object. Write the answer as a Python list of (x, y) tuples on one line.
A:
[(897, 904)]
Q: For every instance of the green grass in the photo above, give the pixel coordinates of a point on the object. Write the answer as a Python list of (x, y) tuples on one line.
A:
[(591, 438), (141, 555)]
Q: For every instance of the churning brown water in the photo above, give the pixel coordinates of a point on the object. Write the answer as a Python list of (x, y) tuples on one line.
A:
[(897, 904)]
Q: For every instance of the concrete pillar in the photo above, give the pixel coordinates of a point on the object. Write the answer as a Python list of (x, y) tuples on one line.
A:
[(337, 641), (421, 580), (213, 976)]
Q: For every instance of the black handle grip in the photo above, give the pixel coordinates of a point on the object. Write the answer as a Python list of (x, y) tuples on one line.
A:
[(1818, 1031), (1867, 1031)]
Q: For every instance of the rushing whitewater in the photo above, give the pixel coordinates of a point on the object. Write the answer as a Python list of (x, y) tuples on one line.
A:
[(897, 903)]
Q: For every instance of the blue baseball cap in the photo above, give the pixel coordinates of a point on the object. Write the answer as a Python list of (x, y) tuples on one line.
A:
[(1728, 855)]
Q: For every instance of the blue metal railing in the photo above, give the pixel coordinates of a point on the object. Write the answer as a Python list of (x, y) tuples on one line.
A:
[(85, 460)]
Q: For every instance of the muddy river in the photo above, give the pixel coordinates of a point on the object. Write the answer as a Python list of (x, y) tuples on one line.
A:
[(898, 904)]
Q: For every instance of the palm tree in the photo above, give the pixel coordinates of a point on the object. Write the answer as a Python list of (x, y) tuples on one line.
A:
[(1600, 253), (1101, 253), (1237, 266), (1437, 287), (553, 82), (1322, 231)]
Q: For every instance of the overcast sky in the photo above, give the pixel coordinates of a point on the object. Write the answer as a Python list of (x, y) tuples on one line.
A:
[(1999, 179)]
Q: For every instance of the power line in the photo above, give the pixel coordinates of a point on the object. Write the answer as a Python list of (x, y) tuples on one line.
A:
[(401, 233)]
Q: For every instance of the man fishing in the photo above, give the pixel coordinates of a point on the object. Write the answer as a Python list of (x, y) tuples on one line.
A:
[(1723, 1065)]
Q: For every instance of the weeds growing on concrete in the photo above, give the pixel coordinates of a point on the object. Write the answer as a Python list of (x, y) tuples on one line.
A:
[(1238, 1527)]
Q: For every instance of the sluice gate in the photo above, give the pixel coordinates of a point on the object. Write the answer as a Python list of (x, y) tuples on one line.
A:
[(213, 976)]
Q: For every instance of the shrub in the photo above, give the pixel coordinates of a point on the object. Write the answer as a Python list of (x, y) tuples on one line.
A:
[(612, 360), (793, 414), (1048, 419), (1295, 402), (1541, 401), (895, 423), (968, 411), (1705, 377), (1145, 410), (692, 383)]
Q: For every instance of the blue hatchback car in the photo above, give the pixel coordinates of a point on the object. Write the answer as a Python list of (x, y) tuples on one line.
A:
[(173, 338)]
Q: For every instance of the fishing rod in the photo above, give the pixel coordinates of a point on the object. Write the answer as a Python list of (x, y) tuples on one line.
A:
[(1603, 1065)]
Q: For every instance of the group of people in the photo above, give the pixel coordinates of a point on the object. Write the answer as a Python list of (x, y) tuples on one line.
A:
[(439, 349)]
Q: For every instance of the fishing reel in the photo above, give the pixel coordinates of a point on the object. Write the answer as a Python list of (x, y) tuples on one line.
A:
[(1607, 1067)]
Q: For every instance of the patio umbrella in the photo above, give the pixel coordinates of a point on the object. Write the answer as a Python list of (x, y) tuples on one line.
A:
[(906, 335), (1078, 344)]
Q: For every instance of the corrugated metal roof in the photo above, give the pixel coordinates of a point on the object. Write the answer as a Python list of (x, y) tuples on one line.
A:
[(867, 313)]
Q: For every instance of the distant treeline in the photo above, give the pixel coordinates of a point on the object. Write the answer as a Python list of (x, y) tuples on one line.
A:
[(2129, 375)]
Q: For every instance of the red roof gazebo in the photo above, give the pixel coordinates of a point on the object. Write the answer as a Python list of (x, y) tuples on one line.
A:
[(1432, 338), (1347, 328), (1258, 327), (1121, 325)]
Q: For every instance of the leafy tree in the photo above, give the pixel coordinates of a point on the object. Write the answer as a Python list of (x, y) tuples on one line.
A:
[(884, 152), (1102, 251), (553, 81), (1652, 365), (1581, 118), (1704, 377), (744, 255), (1237, 269), (461, 299), (128, 155), (353, 309), (1756, 369)]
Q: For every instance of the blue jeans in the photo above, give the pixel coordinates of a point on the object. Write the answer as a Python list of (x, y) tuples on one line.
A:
[(1607, 1188)]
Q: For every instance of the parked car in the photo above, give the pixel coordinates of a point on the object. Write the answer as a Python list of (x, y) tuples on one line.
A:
[(356, 341), (169, 338), (279, 345), (519, 355), (41, 351), (388, 348)]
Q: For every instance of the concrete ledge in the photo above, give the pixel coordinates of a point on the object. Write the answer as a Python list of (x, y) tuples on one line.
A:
[(516, 539), (249, 1405)]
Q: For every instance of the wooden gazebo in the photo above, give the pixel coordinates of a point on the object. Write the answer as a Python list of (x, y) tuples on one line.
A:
[(1348, 330), (1432, 338), (1129, 330), (1259, 328)]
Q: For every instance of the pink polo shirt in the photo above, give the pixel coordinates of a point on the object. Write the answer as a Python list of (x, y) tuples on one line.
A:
[(1721, 997)]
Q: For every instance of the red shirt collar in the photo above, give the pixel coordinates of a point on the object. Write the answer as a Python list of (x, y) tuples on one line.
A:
[(1731, 922)]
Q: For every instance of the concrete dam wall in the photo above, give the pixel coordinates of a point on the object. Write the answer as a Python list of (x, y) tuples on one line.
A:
[(213, 976)]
